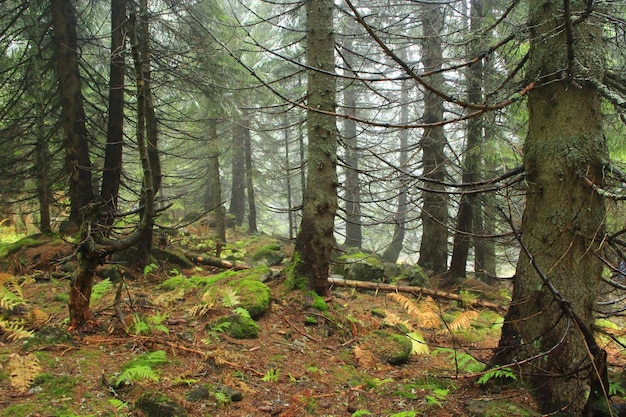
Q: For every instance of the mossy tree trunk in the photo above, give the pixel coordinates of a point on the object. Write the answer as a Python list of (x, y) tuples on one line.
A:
[(315, 239), (564, 218)]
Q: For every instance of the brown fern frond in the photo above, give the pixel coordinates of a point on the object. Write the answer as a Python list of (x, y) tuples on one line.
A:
[(406, 303), (23, 370), (14, 330), (364, 358), (464, 320)]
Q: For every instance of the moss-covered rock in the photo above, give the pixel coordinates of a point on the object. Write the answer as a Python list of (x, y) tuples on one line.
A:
[(392, 348), (271, 253), (48, 336), (359, 266), (240, 326), (154, 404), (254, 296), (172, 257)]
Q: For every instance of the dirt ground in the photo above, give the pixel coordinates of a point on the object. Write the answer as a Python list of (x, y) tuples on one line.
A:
[(303, 362)]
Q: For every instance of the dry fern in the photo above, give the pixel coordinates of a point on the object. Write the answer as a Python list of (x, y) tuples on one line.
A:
[(37, 317), (426, 312), (23, 371), (364, 358), (14, 330), (406, 303), (464, 321), (10, 292)]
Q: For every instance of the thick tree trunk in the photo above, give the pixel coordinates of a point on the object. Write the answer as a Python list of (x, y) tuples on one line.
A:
[(75, 139), (434, 215), (315, 241), (112, 173), (564, 218)]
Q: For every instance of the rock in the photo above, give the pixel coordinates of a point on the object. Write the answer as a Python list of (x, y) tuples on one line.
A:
[(392, 348), (204, 392), (492, 407), (158, 405)]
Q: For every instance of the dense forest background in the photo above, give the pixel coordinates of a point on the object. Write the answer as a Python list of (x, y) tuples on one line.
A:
[(462, 136)]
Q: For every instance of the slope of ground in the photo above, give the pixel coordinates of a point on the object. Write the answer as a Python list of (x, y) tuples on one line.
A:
[(309, 358)]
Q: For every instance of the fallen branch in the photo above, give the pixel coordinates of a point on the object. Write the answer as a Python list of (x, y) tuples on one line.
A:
[(204, 259), (414, 290)]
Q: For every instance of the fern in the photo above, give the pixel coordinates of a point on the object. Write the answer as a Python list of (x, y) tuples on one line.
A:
[(419, 346), (140, 368), (498, 373), (118, 404), (11, 296), (135, 374), (360, 413), (242, 312), (464, 320), (23, 370), (100, 289), (221, 398), (271, 375), (229, 297), (14, 330), (462, 361)]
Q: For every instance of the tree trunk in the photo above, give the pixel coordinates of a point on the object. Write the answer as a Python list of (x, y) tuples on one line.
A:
[(392, 252), (214, 185), (252, 227), (38, 91), (112, 173), (434, 214), (315, 241), (564, 218), (75, 136), (469, 204), (237, 205), (352, 186)]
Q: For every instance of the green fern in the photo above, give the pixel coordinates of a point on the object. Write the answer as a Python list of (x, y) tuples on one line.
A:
[(271, 375), (463, 362), (100, 289), (242, 312), (136, 374), (229, 297), (361, 413), (221, 398), (11, 298), (499, 373), (141, 368), (118, 404), (148, 324)]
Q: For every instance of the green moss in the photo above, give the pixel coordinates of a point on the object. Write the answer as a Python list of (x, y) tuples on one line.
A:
[(254, 296), (11, 248), (360, 266), (157, 404), (240, 326), (293, 280), (318, 302), (271, 253), (389, 347)]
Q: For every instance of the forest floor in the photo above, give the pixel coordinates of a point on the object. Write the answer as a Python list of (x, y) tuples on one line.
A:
[(304, 362)]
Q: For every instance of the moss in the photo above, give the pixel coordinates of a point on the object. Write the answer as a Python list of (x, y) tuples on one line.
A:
[(392, 348), (317, 302), (157, 404), (11, 248), (271, 253), (240, 326), (293, 280), (360, 266), (254, 296)]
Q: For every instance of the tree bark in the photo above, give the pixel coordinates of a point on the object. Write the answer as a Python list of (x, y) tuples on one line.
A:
[(564, 218), (315, 241), (213, 184), (112, 173), (434, 215), (75, 135), (352, 186), (252, 227), (469, 214), (237, 205), (392, 252)]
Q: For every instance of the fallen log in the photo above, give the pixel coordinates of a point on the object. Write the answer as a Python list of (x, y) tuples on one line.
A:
[(204, 259), (415, 291)]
